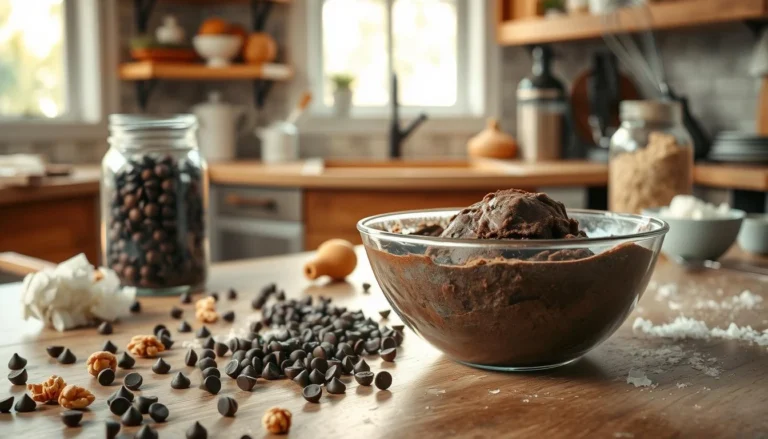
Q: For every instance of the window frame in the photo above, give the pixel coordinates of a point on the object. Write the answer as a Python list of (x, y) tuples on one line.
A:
[(91, 76), (474, 19)]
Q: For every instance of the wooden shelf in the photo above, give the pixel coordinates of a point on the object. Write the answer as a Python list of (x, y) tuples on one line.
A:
[(670, 15), (219, 2), (144, 70)]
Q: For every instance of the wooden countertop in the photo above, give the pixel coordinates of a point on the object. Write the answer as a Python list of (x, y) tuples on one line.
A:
[(83, 180), (456, 174), (431, 395)]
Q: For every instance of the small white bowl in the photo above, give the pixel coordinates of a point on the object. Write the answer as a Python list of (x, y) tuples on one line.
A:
[(753, 236), (219, 50), (695, 240)]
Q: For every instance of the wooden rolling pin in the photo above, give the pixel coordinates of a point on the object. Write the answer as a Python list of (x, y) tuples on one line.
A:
[(21, 265)]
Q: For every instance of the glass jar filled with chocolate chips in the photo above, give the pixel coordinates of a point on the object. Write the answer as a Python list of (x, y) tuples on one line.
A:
[(154, 198)]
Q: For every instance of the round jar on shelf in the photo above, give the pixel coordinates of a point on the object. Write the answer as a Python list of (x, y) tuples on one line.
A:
[(154, 200), (651, 157)]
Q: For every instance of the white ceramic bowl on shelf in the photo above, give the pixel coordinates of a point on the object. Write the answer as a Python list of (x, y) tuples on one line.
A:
[(218, 50)]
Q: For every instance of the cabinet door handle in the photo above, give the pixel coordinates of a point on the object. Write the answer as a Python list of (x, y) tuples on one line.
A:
[(251, 202)]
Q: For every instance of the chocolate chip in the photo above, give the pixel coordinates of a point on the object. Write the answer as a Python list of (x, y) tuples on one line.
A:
[(316, 377), (211, 371), (119, 406), (158, 412), (112, 429), (398, 328), (336, 387), (258, 302), (364, 378), (384, 313), (227, 406), (54, 351), (232, 294), (291, 372), (372, 346), (132, 417), (143, 403), (208, 353), (302, 379), (105, 328), (197, 431), (191, 358), (319, 352), (185, 298), (6, 404), (161, 367), (158, 328), (25, 404), (205, 363), (202, 332), (383, 380), (135, 307), (232, 369), (212, 384), (18, 377), (312, 393), (71, 418), (333, 372), (67, 357), (220, 349), (106, 377), (209, 343), (146, 432), (215, 295), (228, 316), (250, 371), (388, 343), (319, 364), (245, 382), (123, 391), (133, 381), (255, 327), (184, 327), (270, 372), (167, 342), (16, 362), (362, 366), (180, 381), (109, 347), (366, 287), (388, 354), (348, 365), (176, 312), (125, 361)]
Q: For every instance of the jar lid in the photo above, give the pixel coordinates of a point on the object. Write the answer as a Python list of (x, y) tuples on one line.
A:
[(650, 110)]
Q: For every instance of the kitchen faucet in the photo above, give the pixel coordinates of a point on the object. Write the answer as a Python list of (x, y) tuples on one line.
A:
[(397, 135)]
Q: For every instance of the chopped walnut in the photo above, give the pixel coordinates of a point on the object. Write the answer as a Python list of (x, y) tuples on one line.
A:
[(207, 315), (145, 346), (277, 420), (48, 390), (75, 397), (99, 361), (205, 310)]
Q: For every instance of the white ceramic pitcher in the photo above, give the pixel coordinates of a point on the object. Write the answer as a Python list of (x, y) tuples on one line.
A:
[(218, 127)]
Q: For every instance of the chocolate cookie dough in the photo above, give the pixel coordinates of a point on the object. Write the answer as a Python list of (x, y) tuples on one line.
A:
[(513, 308)]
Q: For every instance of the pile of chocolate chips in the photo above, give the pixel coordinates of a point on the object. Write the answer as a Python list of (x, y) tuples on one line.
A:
[(156, 226)]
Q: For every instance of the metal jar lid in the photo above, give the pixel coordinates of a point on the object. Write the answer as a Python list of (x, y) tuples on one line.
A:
[(652, 111)]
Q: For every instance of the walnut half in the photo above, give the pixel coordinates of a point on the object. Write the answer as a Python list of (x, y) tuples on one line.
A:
[(75, 397), (145, 346), (49, 390), (277, 420), (99, 361)]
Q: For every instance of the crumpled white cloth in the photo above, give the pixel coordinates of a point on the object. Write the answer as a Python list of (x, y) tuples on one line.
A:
[(75, 294)]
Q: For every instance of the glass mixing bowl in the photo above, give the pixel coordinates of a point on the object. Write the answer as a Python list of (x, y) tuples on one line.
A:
[(513, 305)]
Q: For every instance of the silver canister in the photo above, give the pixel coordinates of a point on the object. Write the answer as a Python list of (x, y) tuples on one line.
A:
[(540, 123)]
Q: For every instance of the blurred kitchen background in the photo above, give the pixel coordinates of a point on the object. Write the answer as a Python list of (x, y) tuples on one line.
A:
[(540, 70)]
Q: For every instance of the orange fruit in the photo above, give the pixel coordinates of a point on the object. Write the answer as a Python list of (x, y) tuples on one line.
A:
[(213, 26), (260, 48)]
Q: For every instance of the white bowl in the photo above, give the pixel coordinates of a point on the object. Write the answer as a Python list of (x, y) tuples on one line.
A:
[(219, 50), (753, 236), (693, 240)]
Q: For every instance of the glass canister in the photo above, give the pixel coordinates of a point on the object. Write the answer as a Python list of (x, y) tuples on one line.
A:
[(154, 200), (651, 157)]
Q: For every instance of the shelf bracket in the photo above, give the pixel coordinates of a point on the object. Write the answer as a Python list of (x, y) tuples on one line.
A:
[(261, 88), (259, 12), (142, 10), (143, 91)]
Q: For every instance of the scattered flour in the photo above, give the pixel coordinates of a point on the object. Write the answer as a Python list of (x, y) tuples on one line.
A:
[(745, 300), (638, 378), (687, 328), (494, 392), (433, 391), (697, 362), (666, 292), (682, 385)]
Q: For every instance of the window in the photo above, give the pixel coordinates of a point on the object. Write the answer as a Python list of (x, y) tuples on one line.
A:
[(32, 59), (56, 60), (427, 43)]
